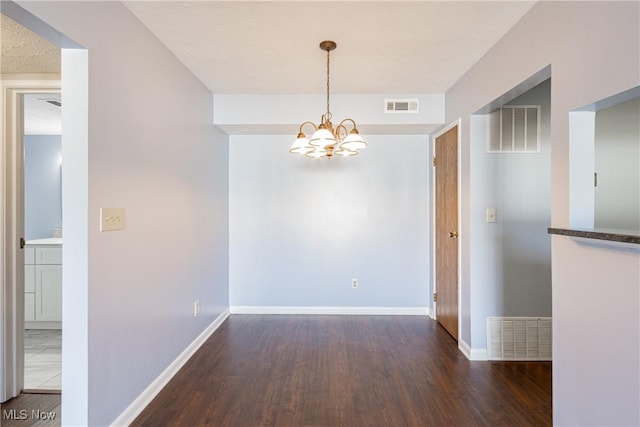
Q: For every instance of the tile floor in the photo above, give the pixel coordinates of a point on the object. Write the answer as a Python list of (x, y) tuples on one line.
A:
[(42, 359)]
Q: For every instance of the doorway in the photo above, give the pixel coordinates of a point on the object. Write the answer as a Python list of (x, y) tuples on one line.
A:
[(446, 229), (42, 147), (21, 272)]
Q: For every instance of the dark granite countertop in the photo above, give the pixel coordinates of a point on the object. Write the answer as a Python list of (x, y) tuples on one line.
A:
[(624, 236)]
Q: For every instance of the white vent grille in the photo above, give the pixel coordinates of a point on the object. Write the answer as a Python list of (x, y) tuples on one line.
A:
[(401, 105), (519, 338), (514, 129)]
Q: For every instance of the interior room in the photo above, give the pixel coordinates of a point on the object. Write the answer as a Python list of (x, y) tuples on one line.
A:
[(197, 235), (43, 236)]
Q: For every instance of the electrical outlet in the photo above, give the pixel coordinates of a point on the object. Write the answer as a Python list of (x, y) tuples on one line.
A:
[(354, 283), (196, 307)]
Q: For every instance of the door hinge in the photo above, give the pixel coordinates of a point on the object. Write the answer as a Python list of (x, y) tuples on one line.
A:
[(434, 297), (22, 243), (595, 179), (434, 160)]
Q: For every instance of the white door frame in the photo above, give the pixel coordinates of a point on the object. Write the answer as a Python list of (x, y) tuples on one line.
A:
[(12, 220), (435, 135)]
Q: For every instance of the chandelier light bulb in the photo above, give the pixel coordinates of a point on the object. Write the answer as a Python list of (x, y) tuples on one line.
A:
[(301, 145)]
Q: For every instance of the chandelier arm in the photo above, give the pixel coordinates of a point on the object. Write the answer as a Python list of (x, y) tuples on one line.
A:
[(341, 135), (348, 120), (315, 128)]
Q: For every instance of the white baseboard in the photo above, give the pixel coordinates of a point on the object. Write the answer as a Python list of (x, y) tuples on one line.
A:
[(43, 325), (477, 354), (141, 402), (375, 311)]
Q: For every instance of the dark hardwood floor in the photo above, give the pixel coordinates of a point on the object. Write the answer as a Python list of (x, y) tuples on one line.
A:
[(26, 410), (290, 370), (333, 371)]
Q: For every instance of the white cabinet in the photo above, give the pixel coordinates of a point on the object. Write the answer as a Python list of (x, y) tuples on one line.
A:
[(48, 293), (43, 286), (29, 293)]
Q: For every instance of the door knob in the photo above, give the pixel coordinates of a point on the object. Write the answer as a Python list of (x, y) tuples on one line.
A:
[(453, 234)]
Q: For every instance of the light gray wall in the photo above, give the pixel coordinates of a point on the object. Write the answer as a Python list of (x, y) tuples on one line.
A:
[(272, 110), (511, 258), (592, 49), (301, 229), (42, 185), (165, 163), (524, 189), (617, 163)]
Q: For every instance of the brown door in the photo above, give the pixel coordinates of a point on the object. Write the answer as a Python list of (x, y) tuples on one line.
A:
[(446, 173)]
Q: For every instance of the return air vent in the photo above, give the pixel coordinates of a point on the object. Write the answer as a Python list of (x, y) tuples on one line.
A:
[(514, 129), (519, 338), (401, 105)]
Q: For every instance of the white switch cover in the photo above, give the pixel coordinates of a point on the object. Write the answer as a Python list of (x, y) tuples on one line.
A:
[(491, 215), (112, 219)]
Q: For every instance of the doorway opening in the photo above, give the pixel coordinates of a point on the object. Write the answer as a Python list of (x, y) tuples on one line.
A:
[(510, 211), (42, 147)]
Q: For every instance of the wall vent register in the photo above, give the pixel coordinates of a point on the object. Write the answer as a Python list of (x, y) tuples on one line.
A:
[(401, 105), (514, 129)]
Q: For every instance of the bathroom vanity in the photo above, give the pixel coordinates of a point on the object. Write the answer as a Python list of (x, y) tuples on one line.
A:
[(43, 283)]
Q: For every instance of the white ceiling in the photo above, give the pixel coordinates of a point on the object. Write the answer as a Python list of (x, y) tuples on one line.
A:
[(271, 47), (40, 116)]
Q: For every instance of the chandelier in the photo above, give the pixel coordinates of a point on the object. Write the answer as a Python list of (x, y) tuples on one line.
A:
[(344, 140)]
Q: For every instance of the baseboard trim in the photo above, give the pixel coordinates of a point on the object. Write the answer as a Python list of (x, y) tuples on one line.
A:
[(475, 354), (141, 402), (375, 311), (43, 325)]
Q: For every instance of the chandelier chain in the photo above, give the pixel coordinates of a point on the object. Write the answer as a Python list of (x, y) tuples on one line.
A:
[(328, 112)]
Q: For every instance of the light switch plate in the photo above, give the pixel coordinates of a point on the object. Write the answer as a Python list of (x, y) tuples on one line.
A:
[(491, 215), (112, 219)]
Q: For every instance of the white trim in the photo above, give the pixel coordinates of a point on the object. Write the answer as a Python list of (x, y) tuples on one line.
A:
[(373, 311), (43, 325), (475, 354), (140, 403), (432, 237)]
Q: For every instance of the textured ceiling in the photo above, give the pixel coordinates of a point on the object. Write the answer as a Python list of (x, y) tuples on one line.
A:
[(40, 116), (269, 47), (22, 51)]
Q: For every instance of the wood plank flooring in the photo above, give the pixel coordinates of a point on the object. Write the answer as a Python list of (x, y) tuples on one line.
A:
[(294, 370)]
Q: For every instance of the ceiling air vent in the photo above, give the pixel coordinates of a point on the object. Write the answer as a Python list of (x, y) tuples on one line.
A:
[(401, 105), (52, 101)]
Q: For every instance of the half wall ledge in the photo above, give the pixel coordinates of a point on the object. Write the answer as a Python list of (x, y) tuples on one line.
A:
[(621, 236)]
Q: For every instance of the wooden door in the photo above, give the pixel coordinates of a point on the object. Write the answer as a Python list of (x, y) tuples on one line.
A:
[(446, 174)]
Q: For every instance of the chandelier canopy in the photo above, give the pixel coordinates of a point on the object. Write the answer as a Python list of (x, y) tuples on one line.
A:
[(344, 140)]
